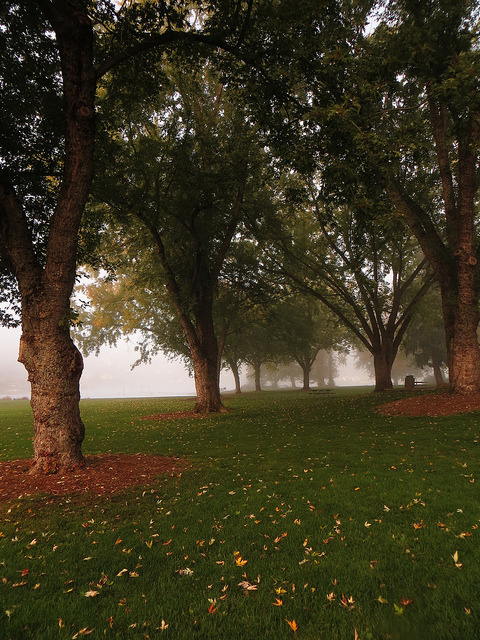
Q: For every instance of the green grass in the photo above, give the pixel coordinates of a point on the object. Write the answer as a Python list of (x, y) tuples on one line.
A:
[(321, 495)]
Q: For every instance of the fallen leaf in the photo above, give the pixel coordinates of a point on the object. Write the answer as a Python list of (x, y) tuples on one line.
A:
[(293, 625), (83, 632), (247, 585), (278, 602)]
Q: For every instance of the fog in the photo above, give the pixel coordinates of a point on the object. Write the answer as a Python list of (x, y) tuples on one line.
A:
[(110, 374)]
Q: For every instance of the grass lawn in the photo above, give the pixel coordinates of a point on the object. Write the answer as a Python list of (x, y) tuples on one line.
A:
[(302, 516)]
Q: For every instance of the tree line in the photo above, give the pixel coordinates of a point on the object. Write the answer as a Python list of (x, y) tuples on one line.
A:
[(224, 159)]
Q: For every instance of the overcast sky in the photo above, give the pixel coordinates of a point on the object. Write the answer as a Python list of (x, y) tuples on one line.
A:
[(110, 375)]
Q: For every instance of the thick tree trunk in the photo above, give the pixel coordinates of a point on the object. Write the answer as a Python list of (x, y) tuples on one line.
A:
[(256, 369), (204, 351), (236, 375), (306, 376), (437, 373), (54, 368), (331, 369), (206, 381), (461, 337), (383, 359)]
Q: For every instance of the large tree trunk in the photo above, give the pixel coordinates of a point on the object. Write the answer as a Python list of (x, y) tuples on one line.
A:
[(54, 368), (205, 374), (204, 351), (331, 368), (437, 372), (383, 359), (257, 375), (306, 376), (461, 334), (236, 375)]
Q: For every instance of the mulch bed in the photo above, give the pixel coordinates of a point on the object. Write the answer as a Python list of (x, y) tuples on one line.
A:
[(442, 404), (102, 474)]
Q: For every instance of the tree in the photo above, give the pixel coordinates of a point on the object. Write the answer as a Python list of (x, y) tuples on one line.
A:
[(178, 200), (365, 270), (302, 327), (325, 367), (409, 123), (440, 84), (52, 54)]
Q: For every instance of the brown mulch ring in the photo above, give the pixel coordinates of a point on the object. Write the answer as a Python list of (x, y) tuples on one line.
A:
[(102, 474), (442, 404)]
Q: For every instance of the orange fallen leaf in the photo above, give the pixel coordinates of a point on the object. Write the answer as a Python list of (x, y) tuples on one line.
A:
[(212, 608), (278, 602), (293, 625), (406, 601)]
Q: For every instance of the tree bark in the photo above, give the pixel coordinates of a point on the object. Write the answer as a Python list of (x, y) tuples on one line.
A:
[(383, 359), (306, 376), (437, 372), (257, 373), (54, 368), (204, 351), (236, 375)]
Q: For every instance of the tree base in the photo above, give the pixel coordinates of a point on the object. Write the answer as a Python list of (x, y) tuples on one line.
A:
[(48, 465)]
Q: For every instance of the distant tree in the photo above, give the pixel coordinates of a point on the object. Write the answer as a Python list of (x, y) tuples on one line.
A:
[(325, 368), (302, 326)]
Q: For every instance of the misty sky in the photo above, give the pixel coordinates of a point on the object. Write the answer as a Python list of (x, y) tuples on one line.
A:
[(109, 376)]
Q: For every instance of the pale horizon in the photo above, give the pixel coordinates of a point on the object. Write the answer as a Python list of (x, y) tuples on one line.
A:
[(110, 374)]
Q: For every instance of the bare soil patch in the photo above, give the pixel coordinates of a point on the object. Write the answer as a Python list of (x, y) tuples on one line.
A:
[(442, 404), (102, 474)]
